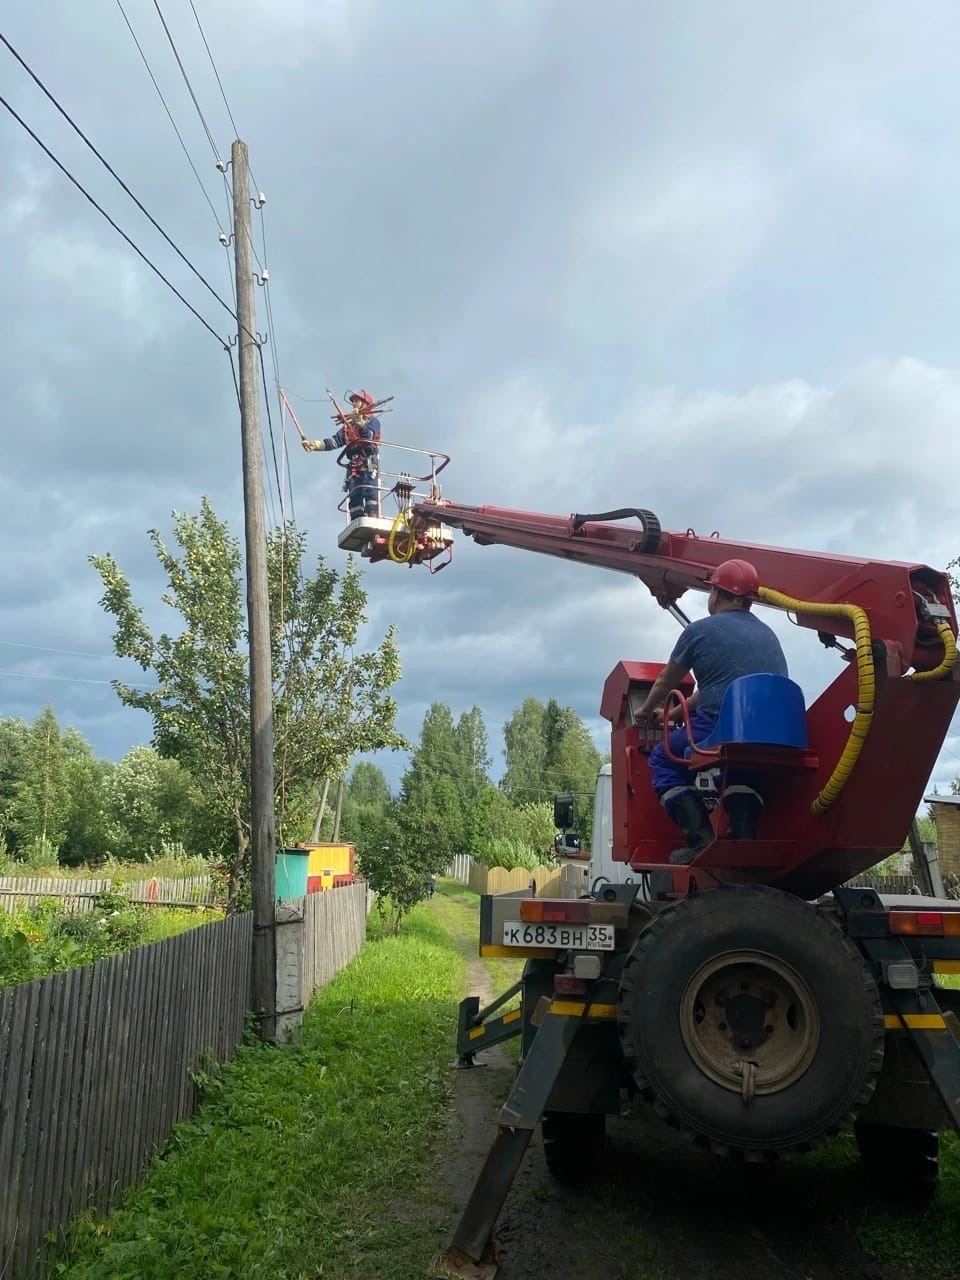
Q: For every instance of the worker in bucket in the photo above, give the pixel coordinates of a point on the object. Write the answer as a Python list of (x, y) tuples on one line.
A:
[(359, 436), (730, 642)]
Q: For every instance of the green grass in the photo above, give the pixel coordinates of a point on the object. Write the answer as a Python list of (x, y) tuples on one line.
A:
[(459, 908), (922, 1242), (311, 1160)]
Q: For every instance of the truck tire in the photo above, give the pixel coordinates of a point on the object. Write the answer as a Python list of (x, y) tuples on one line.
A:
[(572, 1143), (750, 1022), (899, 1164)]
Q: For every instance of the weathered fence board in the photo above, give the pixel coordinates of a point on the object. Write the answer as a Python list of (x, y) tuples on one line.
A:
[(95, 1070), (334, 928), (17, 892), (567, 880)]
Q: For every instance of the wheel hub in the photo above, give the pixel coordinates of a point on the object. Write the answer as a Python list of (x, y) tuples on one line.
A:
[(749, 1022)]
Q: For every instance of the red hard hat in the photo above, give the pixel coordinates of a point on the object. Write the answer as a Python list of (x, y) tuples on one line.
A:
[(736, 577), (364, 396)]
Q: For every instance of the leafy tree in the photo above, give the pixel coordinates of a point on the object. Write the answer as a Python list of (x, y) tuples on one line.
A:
[(429, 788), (489, 817), (14, 733), (151, 803), (525, 752), (399, 869), (330, 702), (549, 750), (573, 765), (85, 838), (473, 756), (496, 823), (39, 806), (368, 785)]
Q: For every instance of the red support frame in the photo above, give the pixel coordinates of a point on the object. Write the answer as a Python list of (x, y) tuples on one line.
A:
[(796, 850)]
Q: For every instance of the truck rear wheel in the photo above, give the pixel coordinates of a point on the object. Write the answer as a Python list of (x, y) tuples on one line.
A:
[(573, 1143), (750, 1022), (900, 1164)]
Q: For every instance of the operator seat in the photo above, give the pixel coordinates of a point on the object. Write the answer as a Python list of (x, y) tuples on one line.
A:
[(765, 710)]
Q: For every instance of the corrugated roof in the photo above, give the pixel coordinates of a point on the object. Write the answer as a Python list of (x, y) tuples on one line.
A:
[(941, 799)]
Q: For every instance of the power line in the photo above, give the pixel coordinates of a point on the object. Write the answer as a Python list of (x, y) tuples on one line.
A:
[(186, 80), (44, 648), (173, 122), (113, 173), (273, 443), (271, 329), (223, 93), (99, 208), (30, 675), (236, 131)]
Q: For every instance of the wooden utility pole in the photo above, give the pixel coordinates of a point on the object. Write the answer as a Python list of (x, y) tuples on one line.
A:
[(262, 824)]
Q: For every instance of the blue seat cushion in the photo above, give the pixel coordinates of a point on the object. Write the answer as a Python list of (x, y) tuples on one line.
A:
[(764, 709)]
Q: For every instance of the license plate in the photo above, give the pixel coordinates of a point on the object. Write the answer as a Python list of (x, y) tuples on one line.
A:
[(573, 937)]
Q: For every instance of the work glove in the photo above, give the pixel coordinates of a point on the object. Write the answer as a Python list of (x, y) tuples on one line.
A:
[(315, 446)]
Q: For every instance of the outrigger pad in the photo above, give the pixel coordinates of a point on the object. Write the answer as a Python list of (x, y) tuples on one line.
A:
[(454, 1264)]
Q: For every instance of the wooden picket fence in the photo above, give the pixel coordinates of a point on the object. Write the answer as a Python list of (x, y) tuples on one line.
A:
[(95, 1070), (567, 881), (97, 1064), (334, 928), (17, 892)]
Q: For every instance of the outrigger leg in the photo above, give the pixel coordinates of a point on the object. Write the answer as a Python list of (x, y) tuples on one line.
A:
[(469, 1256)]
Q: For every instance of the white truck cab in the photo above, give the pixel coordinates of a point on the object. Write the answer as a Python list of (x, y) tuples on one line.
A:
[(602, 865)]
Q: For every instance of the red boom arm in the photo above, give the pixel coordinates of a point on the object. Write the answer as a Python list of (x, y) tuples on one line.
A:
[(798, 849)]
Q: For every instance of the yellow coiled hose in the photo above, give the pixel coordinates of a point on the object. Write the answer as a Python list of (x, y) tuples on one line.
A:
[(866, 693), (402, 524), (949, 657)]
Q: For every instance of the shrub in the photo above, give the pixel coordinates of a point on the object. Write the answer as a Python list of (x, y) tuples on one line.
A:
[(509, 854)]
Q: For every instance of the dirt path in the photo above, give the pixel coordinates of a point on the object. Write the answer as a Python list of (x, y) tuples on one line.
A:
[(661, 1210)]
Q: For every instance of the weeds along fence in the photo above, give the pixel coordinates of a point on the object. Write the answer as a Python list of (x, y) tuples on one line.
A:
[(97, 1064), (17, 892), (95, 1070)]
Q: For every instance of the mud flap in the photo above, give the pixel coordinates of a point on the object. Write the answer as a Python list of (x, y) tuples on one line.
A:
[(469, 1255)]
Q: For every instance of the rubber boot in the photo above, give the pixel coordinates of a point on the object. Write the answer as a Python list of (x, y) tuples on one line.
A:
[(690, 815), (742, 809)]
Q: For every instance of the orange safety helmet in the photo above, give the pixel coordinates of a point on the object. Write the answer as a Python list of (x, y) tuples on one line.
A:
[(736, 578), (365, 398)]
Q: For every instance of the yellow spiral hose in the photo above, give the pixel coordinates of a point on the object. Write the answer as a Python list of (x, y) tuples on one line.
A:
[(866, 693), (949, 657), (402, 524)]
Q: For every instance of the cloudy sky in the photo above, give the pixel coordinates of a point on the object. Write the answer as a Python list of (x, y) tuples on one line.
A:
[(701, 256)]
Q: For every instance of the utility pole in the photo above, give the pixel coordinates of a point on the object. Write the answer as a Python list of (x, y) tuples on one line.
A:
[(262, 827)]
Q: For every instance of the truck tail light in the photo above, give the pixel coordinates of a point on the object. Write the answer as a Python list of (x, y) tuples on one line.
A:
[(926, 924)]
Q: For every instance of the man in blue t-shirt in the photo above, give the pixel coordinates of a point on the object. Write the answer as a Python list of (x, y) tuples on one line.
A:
[(718, 649)]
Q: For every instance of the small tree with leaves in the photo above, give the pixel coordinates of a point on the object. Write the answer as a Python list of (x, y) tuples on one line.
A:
[(330, 701), (399, 864)]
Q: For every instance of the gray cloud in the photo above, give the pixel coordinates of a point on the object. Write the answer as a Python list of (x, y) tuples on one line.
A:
[(698, 258)]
